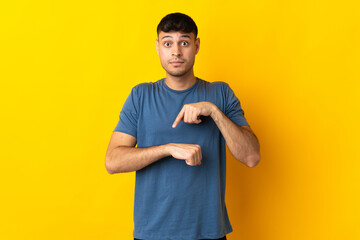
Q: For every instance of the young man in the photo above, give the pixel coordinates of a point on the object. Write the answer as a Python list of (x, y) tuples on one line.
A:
[(180, 125)]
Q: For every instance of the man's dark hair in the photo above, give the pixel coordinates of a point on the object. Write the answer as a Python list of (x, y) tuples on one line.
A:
[(177, 22)]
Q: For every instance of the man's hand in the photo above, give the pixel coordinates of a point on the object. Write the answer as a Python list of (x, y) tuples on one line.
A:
[(191, 153), (190, 113)]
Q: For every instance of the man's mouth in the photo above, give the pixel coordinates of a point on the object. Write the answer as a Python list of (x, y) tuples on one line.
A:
[(176, 63)]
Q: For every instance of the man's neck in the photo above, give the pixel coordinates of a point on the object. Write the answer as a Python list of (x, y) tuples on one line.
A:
[(180, 83)]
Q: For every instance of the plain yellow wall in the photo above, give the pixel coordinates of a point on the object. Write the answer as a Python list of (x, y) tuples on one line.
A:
[(66, 68)]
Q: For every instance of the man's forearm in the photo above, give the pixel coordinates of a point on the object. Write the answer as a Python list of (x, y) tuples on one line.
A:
[(243, 144), (127, 159)]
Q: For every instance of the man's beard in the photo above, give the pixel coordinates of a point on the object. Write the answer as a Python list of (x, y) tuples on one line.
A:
[(177, 73)]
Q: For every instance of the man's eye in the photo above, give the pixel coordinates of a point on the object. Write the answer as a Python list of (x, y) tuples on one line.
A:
[(184, 43), (167, 44)]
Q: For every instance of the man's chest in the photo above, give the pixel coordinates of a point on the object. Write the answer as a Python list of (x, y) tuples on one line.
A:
[(158, 113)]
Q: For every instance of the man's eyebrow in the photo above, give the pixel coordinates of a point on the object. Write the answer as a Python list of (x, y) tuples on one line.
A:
[(182, 36)]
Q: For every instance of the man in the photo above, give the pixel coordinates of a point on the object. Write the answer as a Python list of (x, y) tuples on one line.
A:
[(180, 125)]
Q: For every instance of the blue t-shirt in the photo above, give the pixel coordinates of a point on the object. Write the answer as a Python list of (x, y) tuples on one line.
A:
[(175, 201)]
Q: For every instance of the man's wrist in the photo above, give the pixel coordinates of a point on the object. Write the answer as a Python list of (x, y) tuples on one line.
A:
[(214, 111), (167, 149)]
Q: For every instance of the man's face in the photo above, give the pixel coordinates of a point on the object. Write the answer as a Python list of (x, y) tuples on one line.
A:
[(177, 52)]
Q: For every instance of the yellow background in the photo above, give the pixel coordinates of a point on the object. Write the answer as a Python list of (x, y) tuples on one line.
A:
[(66, 68)]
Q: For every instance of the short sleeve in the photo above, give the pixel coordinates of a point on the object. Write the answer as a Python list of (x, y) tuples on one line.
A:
[(128, 117), (233, 108)]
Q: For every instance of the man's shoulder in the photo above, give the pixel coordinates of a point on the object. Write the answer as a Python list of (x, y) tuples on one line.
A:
[(212, 83), (216, 85), (146, 85), (219, 84)]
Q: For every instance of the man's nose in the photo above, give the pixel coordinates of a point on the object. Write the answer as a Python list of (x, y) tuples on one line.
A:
[(176, 51)]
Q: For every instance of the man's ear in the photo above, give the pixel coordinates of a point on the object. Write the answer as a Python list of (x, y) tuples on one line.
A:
[(157, 46), (197, 45)]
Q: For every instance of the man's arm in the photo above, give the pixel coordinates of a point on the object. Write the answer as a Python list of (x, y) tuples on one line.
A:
[(122, 155), (242, 142)]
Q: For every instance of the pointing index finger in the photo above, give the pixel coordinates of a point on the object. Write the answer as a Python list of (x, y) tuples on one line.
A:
[(179, 117)]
